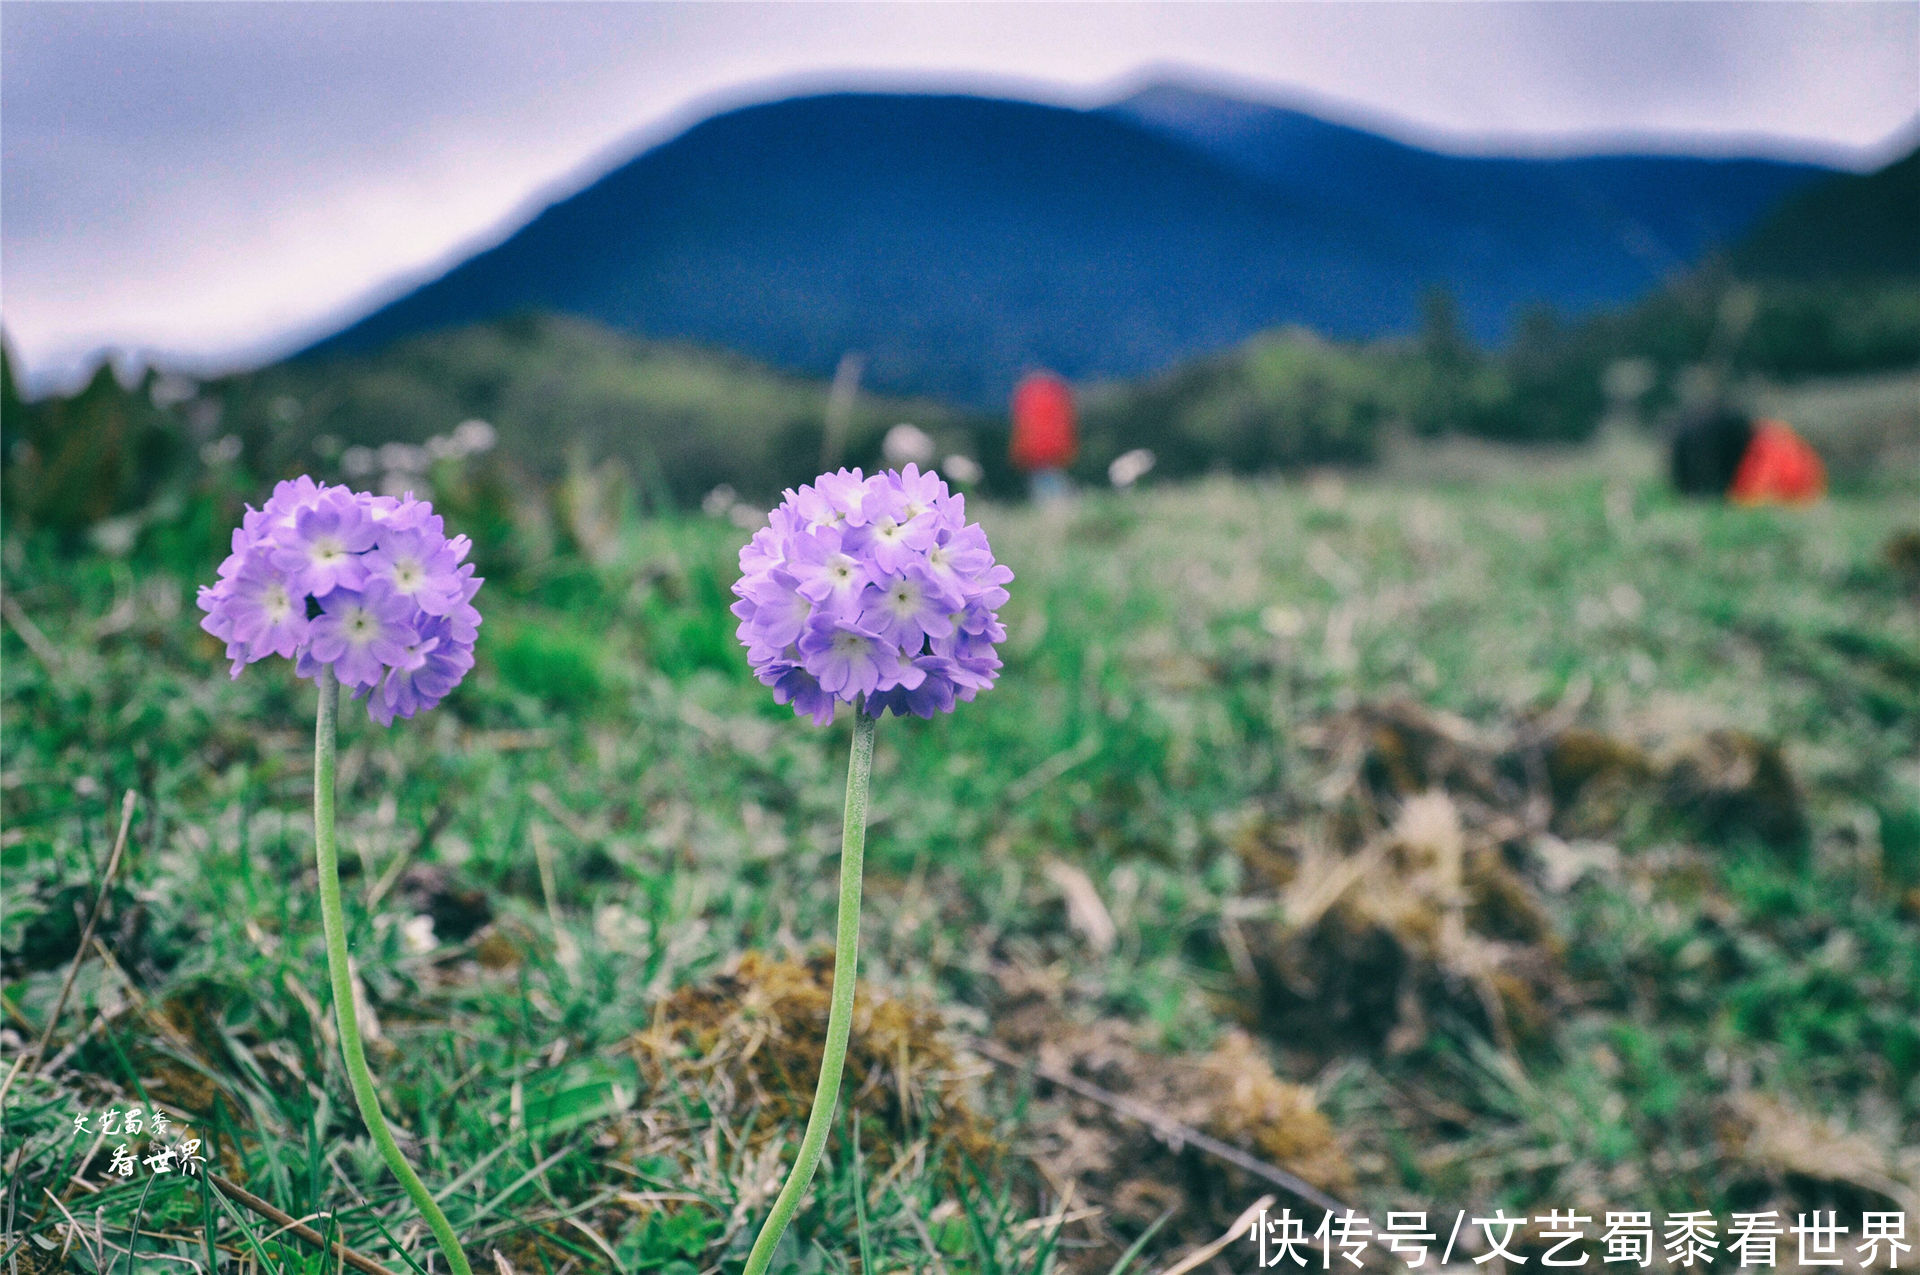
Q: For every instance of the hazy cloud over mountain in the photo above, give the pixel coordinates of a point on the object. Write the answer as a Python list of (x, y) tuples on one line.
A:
[(216, 179)]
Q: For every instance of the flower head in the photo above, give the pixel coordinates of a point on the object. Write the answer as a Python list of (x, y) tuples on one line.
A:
[(871, 589), (370, 586), (362, 634), (321, 547), (425, 671)]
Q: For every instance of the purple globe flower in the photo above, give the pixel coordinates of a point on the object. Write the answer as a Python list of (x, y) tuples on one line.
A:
[(370, 586), (422, 675), (793, 685), (322, 548), (874, 590), (848, 660), (419, 563), (911, 606), (362, 634)]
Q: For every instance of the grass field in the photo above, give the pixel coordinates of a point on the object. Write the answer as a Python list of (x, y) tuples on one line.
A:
[(1529, 840)]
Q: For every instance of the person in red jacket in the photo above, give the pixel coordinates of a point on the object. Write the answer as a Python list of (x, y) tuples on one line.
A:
[(1043, 442)]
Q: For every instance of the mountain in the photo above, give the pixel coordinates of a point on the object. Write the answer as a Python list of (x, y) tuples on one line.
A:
[(1849, 226), (959, 240), (1499, 232)]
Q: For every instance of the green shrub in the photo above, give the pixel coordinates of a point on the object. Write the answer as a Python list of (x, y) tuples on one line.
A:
[(546, 659)]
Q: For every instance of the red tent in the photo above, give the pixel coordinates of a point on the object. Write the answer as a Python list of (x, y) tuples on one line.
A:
[(1777, 467), (1043, 430)]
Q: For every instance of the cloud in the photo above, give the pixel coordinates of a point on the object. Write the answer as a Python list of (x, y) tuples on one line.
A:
[(213, 179)]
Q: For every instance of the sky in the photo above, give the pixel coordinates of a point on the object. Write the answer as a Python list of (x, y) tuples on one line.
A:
[(214, 184)]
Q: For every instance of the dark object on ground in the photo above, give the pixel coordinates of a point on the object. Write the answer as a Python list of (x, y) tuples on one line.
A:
[(1721, 452), (1737, 783), (1902, 552), (458, 910), (1706, 451)]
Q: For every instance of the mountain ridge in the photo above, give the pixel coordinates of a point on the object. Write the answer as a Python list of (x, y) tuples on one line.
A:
[(959, 240)]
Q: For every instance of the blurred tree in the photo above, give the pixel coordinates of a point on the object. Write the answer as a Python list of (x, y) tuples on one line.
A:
[(10, 400), (1448, 364), (1555, 376), (70, 463)]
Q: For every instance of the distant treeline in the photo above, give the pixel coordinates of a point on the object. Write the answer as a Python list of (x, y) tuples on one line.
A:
[(551, 408), (1288, 398), (559, 395)]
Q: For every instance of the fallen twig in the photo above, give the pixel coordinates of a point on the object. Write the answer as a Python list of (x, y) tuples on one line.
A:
[(1200, 1256), (1050, 770), (30, 633), (544, 798), (564, 948), (287, 1222), (1174, 1133)]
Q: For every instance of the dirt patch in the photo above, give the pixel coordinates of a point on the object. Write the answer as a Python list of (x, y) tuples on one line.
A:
[(1415, 885), (1595, 780), (1735, 783), (1371, 939), (1811, 1160), (1115, 1175), (1384, 753), (748, 1043)]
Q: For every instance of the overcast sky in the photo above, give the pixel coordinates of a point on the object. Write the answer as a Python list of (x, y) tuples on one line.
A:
[(217, 180)]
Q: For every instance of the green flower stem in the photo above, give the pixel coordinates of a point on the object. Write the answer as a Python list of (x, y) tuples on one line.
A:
[(846, 954), (334, 922)]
